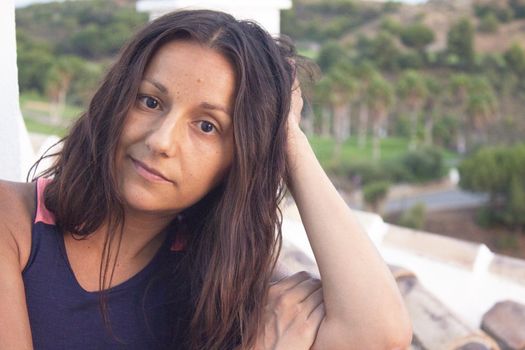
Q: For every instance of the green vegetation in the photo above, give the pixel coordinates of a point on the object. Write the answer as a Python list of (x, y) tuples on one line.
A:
[(414, 217), (396, 164), (384, 79), (394, 103), (44, 128), (63, 48), (499, 171), (375, 193), (460, 43)]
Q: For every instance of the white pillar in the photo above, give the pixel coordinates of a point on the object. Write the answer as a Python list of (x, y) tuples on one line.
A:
[(16, 153)]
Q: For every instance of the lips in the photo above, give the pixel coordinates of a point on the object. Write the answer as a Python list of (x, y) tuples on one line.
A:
[(149, 173)]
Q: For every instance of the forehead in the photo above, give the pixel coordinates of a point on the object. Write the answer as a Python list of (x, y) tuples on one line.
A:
[(191, 70), (190, 58)]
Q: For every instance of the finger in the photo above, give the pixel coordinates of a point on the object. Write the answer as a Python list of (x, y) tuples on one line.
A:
[(305, 289), (317, 316), (300, 292), (313, 299)]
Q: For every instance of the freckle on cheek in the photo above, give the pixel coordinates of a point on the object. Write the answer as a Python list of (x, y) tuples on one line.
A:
[(199, 80)]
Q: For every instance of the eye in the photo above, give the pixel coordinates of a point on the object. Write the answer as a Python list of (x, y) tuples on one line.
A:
[(207, 127), (149, 101)]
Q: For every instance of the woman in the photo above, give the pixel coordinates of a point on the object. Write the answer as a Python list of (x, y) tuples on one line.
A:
[(161, 210)]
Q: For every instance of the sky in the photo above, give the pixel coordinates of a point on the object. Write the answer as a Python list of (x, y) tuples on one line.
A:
[(22, 3)]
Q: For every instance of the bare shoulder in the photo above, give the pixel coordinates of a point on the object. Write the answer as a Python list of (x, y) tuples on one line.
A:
[(17, 207), (16, 212)]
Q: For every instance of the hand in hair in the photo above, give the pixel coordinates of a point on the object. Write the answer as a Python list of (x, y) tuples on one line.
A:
[(293, 314), (294, 118)]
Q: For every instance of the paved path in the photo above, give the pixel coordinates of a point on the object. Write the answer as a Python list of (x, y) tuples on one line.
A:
[(448, 199)]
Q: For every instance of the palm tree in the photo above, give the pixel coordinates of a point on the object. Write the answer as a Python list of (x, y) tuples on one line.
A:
[(380, 99), (413, 92), (58, 81), (364, 73), (322, 97), (432, 106), (481, 107), (476, 104), (458, 93), (342, 88)]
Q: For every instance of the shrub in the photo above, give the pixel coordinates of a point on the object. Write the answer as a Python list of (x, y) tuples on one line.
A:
[(498, 171), (417, 36), (391, 25), (367, 171), (374, 193), (489, 23), (410, 60), (424, 164), (414, 217)]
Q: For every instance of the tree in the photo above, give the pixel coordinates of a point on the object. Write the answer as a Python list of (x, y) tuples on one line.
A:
[(413, 91), (489, 23), (384, 51), (329, 55), (515, 59), (458, 94), (516, 211), (343, 90), (375, 193), (460, 42), (481, 107), (498, 171), (417, 36), (322, 98), (59, 79), (380, 99), (364, 73), (432, 107), (518, 6)]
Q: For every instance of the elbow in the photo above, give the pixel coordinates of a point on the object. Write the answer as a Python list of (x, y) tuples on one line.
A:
[(398, 336), (397, 333), (401, 340)]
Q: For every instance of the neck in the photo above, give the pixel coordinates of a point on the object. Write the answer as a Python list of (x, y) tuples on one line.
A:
[(142, 236)]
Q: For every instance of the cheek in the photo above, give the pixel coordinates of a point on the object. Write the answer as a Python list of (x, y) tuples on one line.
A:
[(207, 170), (133, 126)]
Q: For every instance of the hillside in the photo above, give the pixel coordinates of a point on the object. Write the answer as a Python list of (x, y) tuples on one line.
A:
[(438, 15)]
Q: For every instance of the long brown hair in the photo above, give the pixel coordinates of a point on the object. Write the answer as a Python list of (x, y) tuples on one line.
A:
[(235, 231)]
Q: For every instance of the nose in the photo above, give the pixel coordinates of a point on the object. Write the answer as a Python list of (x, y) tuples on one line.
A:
[(162, 139)]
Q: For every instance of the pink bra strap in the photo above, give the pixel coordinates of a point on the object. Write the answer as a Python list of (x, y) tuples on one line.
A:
[(42, 214)]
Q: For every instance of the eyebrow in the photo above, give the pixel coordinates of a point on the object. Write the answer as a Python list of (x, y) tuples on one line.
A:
[(158, 85), (207, 105)]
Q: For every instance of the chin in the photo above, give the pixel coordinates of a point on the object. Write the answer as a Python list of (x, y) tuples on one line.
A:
[(141, 199)]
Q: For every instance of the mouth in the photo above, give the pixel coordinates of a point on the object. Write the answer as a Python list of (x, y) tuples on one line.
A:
[(149, 173)]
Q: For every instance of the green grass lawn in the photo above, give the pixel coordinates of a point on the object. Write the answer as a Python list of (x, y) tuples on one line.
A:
[(32, 104), (35, 110), (391, 148), (42, 128)]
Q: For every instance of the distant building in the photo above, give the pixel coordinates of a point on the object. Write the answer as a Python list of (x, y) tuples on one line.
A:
[(264, 12)]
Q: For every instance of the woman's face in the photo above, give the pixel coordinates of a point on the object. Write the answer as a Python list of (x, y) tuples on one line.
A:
[(177, 141)]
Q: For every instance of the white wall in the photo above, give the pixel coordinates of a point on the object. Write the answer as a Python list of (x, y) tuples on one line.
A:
[(264, 12), (16, 153)]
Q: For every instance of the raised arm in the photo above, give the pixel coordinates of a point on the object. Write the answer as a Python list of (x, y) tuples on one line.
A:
[(15, 331), (364, 309)]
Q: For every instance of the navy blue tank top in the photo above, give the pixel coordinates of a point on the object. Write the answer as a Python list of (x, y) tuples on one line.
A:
[(148, 311)]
